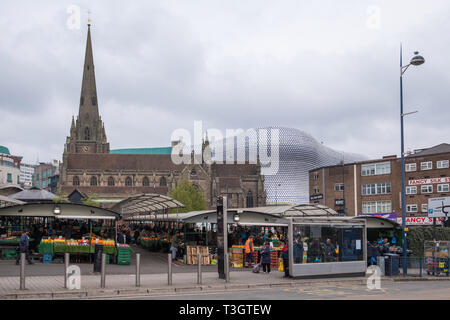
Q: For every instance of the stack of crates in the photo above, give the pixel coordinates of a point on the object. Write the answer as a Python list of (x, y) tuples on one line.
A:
[(123, 255), (46, 258), (9, 254)]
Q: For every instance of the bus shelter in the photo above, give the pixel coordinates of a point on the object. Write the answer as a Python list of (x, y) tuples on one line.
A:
[(331, 246)]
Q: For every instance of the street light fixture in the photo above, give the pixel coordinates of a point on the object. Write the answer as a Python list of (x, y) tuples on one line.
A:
[(417, 60)]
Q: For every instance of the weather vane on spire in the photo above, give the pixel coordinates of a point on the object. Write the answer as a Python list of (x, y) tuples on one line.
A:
[(89, 17)]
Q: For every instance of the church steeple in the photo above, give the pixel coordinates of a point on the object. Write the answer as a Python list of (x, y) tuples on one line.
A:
[(89, 132), (88, 99)]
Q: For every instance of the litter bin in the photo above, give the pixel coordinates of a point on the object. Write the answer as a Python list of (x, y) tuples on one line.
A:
[(98, 258), (392, 264)]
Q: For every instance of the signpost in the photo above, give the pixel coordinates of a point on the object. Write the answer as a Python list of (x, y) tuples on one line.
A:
[(222, 236), (439, 207)]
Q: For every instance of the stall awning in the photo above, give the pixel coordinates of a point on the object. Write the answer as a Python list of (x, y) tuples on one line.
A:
[(66, 211), (8, 202), (145, 203)]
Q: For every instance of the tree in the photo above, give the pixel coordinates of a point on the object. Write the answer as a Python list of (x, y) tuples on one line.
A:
[(60, 198), (188, 194), (90, 201)]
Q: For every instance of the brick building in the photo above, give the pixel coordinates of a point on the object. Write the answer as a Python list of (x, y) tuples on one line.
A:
[(374, 187), (92, 168)]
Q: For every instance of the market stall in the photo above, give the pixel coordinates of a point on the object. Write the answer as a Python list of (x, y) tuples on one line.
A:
[(61, 227)]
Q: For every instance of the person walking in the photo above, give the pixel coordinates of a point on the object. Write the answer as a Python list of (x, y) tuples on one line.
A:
[(330, 251), (285, 256), (298, 250), (24, 247), (249, 251), (265, 258)]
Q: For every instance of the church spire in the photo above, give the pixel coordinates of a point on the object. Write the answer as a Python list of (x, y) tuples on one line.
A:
[(88, 101)]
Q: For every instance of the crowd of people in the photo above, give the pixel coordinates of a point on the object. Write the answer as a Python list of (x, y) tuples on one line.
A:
[(380, 248)]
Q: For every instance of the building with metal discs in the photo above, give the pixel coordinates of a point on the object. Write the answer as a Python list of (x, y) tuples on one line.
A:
[(299, 152)]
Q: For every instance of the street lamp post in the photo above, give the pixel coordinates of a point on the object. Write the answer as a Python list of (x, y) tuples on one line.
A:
[(415, 61)]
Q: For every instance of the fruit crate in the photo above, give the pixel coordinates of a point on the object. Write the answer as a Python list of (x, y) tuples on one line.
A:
[(47, 258), (9, 254)]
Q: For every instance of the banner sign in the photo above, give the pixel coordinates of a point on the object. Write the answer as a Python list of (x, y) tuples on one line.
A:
[(420, 221), (428, 181), (390, 216)]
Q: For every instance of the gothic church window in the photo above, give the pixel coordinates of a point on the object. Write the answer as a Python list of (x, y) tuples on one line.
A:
[(145, 182), (162, 182), (128, 182), (249, 199), (111, 182), (76, 181), (93, 181), (94, 100), (87, 134)]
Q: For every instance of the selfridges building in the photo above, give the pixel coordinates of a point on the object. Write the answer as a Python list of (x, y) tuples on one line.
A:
[(286, 181)]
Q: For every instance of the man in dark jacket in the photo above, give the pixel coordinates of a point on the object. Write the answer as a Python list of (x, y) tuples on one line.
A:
[(298, 251), (24, 247)]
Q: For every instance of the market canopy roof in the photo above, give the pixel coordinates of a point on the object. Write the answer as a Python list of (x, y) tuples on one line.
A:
[(145, 203), (67, 211), (8, 202), (34, 194)]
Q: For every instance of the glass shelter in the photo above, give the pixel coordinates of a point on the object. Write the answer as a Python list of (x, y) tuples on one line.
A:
[(327, 246)]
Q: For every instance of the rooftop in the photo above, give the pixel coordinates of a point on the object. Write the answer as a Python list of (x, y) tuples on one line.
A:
[(161, 150)]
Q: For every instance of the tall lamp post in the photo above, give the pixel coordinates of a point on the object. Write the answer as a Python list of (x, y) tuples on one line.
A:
[(417, 60)]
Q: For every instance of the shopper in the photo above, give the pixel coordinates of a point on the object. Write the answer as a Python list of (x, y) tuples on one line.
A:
[(249, 251), (24, 247), (298, 250), (265, 258), (330, 251), (285, 256)]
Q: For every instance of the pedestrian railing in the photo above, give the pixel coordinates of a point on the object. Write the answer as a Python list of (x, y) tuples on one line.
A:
[(392, 265)]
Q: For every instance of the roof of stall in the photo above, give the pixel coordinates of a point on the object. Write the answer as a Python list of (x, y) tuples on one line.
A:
[(145, 203), (34, 194), (8, 202), (67, 211)]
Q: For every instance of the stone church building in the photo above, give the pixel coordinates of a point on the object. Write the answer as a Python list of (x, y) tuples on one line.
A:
[(89, 165)]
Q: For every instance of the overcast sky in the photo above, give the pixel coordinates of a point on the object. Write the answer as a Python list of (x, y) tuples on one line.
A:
[(330, 68)]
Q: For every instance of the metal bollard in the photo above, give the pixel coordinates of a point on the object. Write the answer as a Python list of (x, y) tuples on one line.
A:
[(66, 266), (420, 266), (227, 268), (169, 269), (199, 270), (103, 276), (22, 271), (138, 269)]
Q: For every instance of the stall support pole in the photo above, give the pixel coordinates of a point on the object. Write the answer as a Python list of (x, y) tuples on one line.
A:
[(169, 269), (66, 266), (103, 276), (138, 269), (22, 271), (199, 270), (421, 266), (227, 267)]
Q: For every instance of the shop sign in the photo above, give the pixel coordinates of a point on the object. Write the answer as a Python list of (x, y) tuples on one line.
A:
[(390, 216), (428, 181), (419, 221), (316, 197), (339, 202)]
